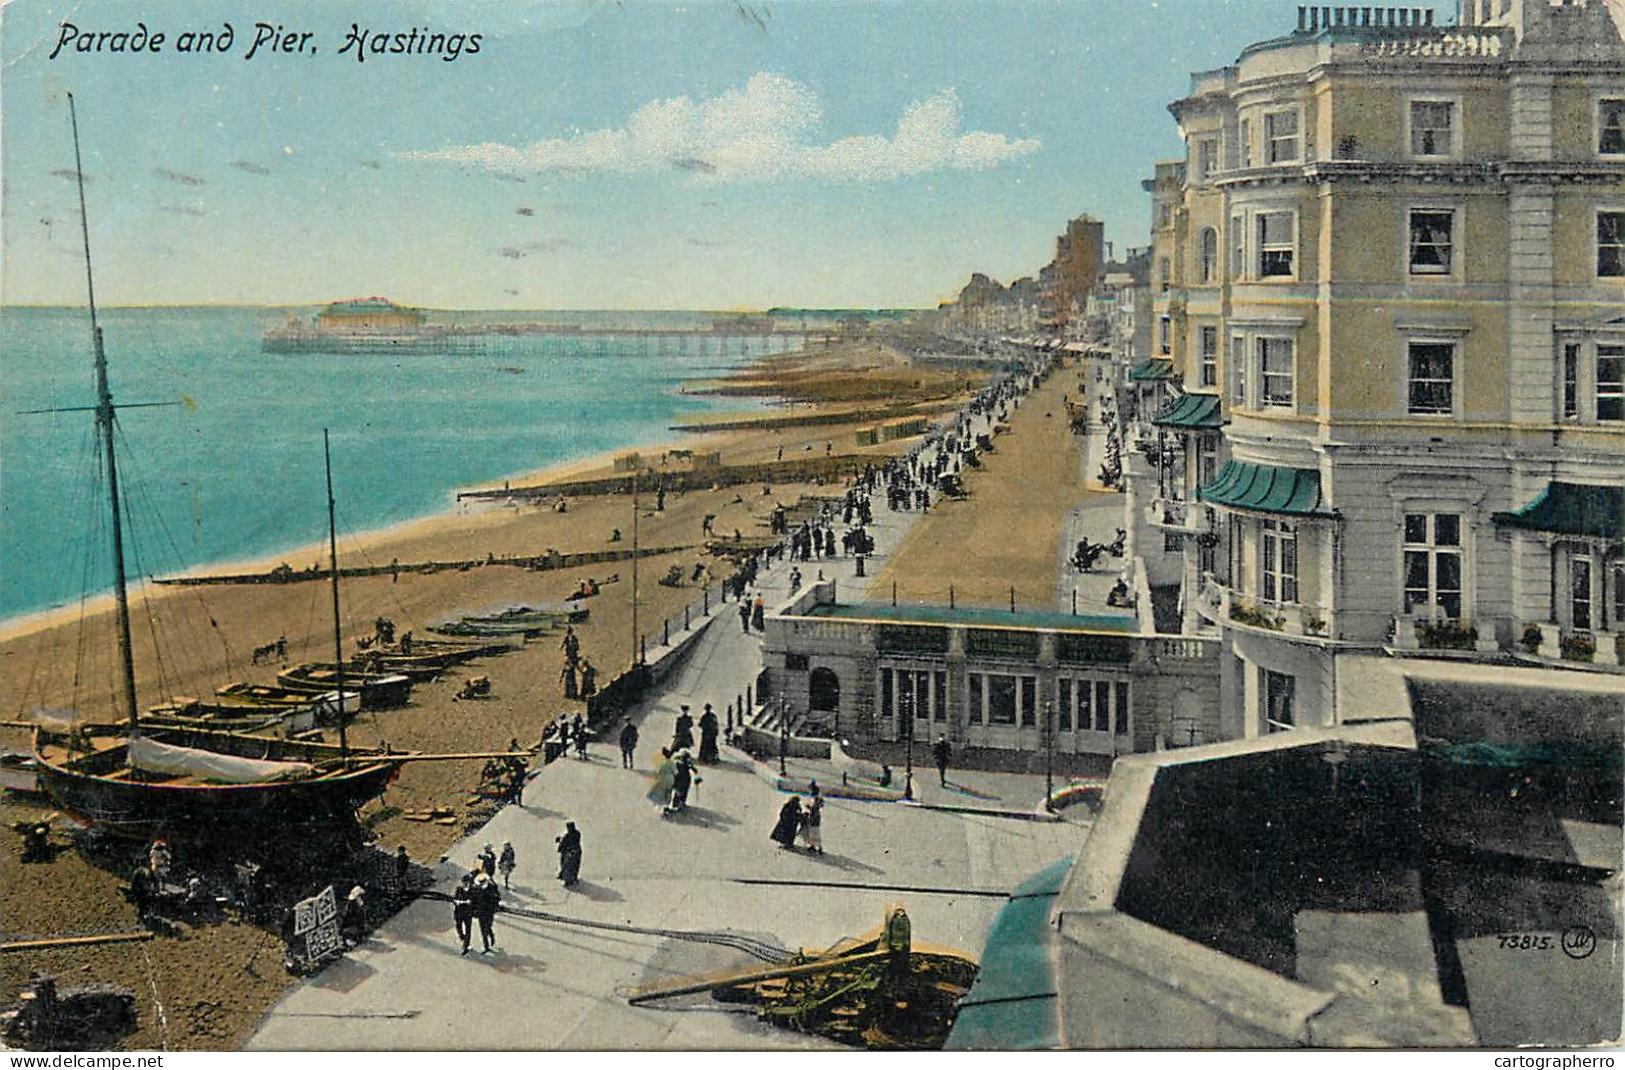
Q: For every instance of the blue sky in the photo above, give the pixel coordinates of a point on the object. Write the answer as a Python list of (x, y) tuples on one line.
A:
[(715, 154)]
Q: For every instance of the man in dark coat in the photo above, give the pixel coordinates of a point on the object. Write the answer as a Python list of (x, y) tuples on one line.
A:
[(682, 778), (629, 743), (578, 734), (708, 735), (942, 752), (589, 679), (462, 909), (486, 896)]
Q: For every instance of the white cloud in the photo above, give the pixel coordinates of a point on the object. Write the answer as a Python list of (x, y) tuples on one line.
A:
[(763, 130)]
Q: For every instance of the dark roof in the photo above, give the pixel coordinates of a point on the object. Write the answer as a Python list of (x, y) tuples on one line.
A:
[(1012, 1005), (1267, 489), (1153, 369), (1572, 509), (1191, 410)]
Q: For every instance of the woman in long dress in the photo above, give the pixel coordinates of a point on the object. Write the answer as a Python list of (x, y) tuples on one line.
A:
[(665, 772), (784, 833)]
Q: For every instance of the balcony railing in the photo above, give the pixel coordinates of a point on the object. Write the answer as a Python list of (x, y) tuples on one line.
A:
[(1553, 643), (1181, 517), (1434, 631), (1223, 606)]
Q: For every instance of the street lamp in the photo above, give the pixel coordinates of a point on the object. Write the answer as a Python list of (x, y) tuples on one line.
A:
[(908, 759), (1049, 758), (784, 733)]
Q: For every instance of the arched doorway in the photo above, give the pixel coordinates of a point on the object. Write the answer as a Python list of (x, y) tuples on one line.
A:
[(823, 691)]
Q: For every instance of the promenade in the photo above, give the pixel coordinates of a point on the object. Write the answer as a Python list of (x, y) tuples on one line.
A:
[(560, 985)]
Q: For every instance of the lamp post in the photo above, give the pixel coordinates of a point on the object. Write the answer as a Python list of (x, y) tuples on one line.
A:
[(1049, 758), (908, 759), (784, 733)]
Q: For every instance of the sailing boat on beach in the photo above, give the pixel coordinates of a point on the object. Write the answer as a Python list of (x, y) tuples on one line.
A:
[(135, 778)]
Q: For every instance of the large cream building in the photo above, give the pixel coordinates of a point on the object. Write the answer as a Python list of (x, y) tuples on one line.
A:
[(1395, 316)]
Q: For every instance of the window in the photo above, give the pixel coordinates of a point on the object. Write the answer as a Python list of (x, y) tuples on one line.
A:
[(1611, 127), (1238, 247), (1063, 704), (1619, 591), (1610, 245), (1172, 544), (1611, 382), (1246, 150), (1278, 700), (1275, 372), (1433, 562), (1276, 244), (1165, 274), (978, 698), (1278, 561), (1207, 156), (1165, 335), (1103, 707), (1001, 699), (1207, 557), (1432, 235), (1281, 137), (914, 693), (1580, 592), (1238, 361), (1207, 459), (1165, 215), (1209, 337), (1571, 381), (1029, 699), (1207, 254), (1432, 128), (1432, 378)]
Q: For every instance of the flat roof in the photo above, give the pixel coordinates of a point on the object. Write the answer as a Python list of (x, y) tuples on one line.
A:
[(979, 617)]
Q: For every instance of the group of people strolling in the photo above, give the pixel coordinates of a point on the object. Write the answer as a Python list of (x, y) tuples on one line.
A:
[(576, 666), (477, 897)]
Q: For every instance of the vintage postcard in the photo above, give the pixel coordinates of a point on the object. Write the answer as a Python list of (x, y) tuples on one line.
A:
[(812, 525)]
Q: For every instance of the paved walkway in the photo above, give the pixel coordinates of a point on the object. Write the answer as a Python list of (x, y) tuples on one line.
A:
[(555, 985)]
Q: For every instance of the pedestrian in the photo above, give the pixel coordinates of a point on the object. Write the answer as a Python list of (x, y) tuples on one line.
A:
[(942, 752), (403, 869), (665, 773), (756, 613), (708, 735), (812, 821), (744, 614), (462, 909), (488, 860), (569, 854), (589, 679), (682, 735), (682, 777), (486, 898), (570, 645), (506, 863), (567, 677), (354, 925), (629, 743), (578, 734), (784, 833), (158, 860)]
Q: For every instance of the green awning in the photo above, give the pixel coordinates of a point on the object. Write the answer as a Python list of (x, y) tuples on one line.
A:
[(1151, 370), (1267, 489), (1199, 411), (1572, 509), (1012, 1005)]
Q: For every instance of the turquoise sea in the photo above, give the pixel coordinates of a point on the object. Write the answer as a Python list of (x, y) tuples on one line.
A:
[(236, 471)]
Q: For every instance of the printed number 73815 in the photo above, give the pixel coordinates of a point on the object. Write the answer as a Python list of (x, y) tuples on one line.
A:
[(1526, 941)]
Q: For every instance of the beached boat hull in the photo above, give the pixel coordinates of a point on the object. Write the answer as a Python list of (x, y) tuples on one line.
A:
[(377, 692), (91, 789), (492, 628)]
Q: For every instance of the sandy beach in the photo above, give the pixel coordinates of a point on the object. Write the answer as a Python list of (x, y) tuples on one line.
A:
[(191, 639)]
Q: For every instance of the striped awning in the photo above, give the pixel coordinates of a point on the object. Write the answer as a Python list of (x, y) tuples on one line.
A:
[(1580, 509), (1265, 488), (1151, 370), (1196, 411)]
